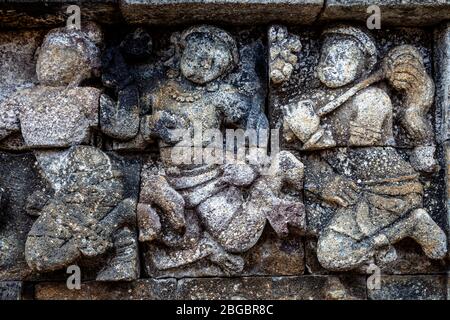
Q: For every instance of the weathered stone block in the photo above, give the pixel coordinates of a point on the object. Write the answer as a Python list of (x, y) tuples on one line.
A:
[(361, 179), (11, 290), (19, 179), (410, 260), (405, 256), (144, 289), (17, 69), (230, 11), (442, 75), (23, 14), (406, 287), (275, 288), (393, 12), (17, 60), (270, 256), (308, 88)]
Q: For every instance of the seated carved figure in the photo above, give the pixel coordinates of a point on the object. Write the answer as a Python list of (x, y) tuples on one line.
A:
[(376, 195), (194, 211)]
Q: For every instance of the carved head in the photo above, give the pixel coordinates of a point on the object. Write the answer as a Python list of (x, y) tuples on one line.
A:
[(347, 53), (68, 55), (208, 53)]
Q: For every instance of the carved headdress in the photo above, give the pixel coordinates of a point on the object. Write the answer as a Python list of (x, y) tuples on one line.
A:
[(364, 41), (218, 35)]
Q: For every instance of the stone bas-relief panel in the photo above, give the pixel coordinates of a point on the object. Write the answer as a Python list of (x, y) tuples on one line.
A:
[(359, 110), (94, 172)]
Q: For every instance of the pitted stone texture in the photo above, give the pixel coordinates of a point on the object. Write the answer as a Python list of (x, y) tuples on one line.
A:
[(57, 112), (50, 117), (17, 70), (18, 180), (446, 155), (144, 289), (442, 74), (254, 288), (11, 290), (420, 287), (231, 11), (17, 60), (198, 222), (410, 260), (393, 12), (69, 56), (275, 288)]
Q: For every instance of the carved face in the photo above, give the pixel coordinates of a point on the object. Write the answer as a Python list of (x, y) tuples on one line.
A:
[(340, 62), (205, 58)]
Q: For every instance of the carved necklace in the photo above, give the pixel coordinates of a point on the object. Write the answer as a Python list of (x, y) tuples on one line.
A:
[(180, 96)]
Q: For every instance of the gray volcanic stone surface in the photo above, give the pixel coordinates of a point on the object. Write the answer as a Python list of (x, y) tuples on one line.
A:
[(282, 288), (350, 89), (19, 179), (88, 216), (26, 14), (425, 287), (72, 113), (442, 67), (17, 60), (144, 289), (234, 11), (11, 290), (393, 12)]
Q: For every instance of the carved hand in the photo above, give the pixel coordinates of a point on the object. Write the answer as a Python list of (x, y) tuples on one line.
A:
[(165, 126)]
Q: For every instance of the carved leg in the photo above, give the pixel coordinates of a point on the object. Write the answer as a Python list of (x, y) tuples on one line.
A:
[(157, 191), (337, 251), (420, 227), (206, 248)]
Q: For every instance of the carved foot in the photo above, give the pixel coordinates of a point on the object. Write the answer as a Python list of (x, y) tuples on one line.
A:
[(124, 265), (429, 235)]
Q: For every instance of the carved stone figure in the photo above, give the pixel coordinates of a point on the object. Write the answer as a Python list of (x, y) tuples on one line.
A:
[(66, 58), (86, 216), (194, 212), (376, 195)]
